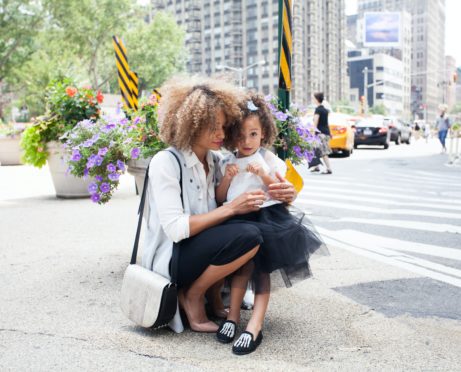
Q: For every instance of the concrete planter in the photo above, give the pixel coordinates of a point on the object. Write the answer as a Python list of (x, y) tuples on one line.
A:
[(66, 185), (10, 151), (137, 168)]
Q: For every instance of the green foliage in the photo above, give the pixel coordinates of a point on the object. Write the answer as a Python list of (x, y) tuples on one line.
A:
[(378, 110), (456, 108), (66, 106), (34, 145), (156, 50), (344, 107), (146, 122)]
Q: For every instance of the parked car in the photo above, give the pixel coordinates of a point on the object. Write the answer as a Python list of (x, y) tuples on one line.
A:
[(372, 131), (400, 131), (342, 134)]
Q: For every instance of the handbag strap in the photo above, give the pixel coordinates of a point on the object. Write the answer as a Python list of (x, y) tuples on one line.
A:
[(141, 212)]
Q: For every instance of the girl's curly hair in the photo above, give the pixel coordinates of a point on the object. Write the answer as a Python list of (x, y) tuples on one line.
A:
[(269, 129), (189, 105)]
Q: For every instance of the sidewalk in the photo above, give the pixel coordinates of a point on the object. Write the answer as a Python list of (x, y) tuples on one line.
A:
[(62, 263)]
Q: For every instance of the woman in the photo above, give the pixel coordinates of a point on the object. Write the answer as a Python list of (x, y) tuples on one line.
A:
[(443, 125), (193, 115)]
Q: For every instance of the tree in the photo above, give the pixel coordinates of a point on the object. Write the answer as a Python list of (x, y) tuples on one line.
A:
[(456, 108), (343, 106), (156, 50), (19, 21), (378, 110), (87, 27)]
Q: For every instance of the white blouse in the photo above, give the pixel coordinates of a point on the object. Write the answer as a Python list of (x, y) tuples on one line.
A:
[(167, 219), (246, 181)]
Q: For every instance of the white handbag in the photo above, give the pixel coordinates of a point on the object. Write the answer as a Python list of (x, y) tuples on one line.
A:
[(147, 298)]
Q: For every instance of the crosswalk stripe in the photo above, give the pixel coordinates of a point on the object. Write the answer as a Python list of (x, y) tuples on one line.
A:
[(363, 208), (345, 196), (307, 187), (419, 267), (404, 224), (438, 175), (426, 180)]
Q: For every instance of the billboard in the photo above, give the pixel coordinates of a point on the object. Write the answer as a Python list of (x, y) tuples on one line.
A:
[(382, 29)]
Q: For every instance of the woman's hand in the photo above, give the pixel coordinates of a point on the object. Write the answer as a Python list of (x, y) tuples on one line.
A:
[(248, 202), (282, 191)]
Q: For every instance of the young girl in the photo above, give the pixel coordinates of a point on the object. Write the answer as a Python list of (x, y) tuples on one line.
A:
[(287, 242)]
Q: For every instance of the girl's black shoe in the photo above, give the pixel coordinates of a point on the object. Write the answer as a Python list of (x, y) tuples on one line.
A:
[(246, 343), (226, 331)]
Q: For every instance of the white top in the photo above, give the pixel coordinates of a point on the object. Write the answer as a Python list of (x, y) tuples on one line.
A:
[(167, 220), (246, 181)]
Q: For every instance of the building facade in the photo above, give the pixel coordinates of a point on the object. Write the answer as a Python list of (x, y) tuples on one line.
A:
[(238, 34), (427, 49), (379, 78)]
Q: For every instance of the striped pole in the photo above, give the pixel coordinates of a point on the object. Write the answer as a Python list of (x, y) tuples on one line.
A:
[(127, 79)]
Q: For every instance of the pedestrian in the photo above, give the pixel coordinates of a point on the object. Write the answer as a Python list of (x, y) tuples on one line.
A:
[(192, 118), (417, 130), (321, 123), (427, 132), (443, 125), (287, 242)]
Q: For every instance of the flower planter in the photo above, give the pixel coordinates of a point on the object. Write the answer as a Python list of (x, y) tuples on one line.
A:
[(66, 185), (137, 168), (10, 151)]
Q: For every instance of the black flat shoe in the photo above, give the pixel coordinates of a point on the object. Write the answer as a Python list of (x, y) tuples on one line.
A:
[(226, 331), (246, 344)]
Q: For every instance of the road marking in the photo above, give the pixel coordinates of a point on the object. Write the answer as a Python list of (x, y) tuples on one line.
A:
[(409, 263), (426, 180), (363, 208), (380, 194), (438, 175), (404, 224), (345, 196)]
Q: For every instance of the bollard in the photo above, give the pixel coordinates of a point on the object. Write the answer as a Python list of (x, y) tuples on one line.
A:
[(451, 155)]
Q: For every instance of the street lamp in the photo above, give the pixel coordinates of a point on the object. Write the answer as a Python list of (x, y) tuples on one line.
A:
[(240, 70)]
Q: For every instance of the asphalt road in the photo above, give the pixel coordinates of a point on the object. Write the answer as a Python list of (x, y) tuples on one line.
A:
[(387, 298)]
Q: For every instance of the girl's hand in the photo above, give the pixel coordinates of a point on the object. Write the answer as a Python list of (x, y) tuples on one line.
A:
[(248, 202), (231, 171), (282, 191), (256, 169)]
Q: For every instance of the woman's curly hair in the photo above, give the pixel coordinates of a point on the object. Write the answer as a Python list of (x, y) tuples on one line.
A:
[(189, 105), (269, 129)]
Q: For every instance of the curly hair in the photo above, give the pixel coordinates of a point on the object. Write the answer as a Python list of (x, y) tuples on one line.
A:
[(189, 106), (268, 126)]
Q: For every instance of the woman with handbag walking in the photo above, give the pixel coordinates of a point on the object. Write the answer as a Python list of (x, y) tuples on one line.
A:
[(193, 115)]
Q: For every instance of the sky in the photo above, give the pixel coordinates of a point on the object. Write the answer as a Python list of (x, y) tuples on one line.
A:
[(452, 27)]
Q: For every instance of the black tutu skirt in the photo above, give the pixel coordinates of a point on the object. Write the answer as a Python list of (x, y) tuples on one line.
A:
[(290, 240)]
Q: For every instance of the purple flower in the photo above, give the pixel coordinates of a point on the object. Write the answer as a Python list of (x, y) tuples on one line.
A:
[(91, 161), (121, 165), (76, 156), (85, 172), (108, 127), (124, 121), (95, 138), (297, 151), (93, 188), (86, 123), (279, 115), (105, 187), (98, 160), (135, 153), (88, 143), (95, 198), (103, 151), (111, 168), (114, 176), (136, 120), (98, 178)]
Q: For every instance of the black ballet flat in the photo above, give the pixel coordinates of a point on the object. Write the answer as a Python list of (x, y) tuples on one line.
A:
[(226, 331), (246, 343)]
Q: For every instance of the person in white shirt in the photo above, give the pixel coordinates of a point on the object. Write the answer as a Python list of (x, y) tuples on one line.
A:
[(192, 117), (287, 242)]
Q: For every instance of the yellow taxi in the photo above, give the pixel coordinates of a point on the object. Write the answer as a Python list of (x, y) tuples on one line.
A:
[(342, 134)]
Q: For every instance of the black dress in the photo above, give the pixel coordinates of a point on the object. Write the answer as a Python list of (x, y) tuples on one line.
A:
[(289, 240)]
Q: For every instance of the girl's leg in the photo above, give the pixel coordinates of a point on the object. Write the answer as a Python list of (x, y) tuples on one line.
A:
[(192, 299), (262, 295), (238, 288)]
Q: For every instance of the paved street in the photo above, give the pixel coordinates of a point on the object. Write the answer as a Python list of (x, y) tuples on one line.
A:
[(388, 297)]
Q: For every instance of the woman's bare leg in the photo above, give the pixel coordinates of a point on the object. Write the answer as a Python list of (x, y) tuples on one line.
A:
[(238, 288), (213, 296), (192, 299), (261, 303)]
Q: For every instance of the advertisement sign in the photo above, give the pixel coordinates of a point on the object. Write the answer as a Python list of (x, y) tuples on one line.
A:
[(382, 29)]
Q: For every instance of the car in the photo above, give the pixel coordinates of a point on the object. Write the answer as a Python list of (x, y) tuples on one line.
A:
[(342, 134), (372, 131), (400, 130)]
